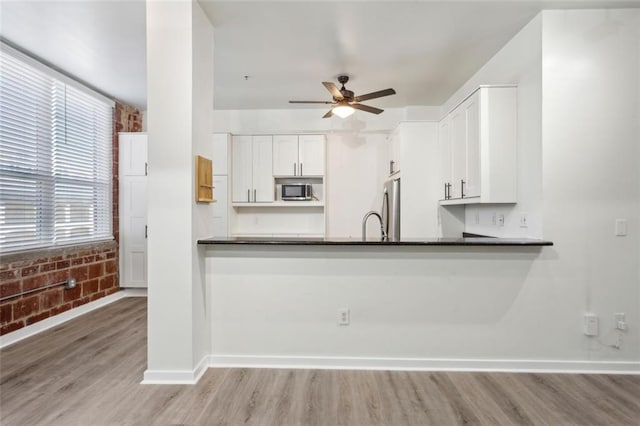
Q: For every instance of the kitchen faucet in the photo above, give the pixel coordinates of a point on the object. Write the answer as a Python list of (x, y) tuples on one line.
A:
[(383, 233)]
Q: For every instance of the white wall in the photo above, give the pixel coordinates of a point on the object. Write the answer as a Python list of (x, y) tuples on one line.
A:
[(179, 59)]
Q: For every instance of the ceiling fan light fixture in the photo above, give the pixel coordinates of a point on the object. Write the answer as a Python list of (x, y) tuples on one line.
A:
[(343, 110)]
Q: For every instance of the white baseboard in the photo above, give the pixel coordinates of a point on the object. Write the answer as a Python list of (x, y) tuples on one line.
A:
[(40, 326), (176, 377), (425, 364)]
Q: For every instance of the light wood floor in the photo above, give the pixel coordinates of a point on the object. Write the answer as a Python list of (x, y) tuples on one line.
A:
[(87, 372)]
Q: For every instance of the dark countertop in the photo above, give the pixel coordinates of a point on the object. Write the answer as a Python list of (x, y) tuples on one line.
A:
[(302, 241)]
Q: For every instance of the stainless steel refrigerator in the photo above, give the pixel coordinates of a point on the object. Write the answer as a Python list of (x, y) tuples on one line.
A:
[(391, 209)]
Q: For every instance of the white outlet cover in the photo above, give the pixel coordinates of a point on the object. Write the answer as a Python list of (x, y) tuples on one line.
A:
[(621, 227)]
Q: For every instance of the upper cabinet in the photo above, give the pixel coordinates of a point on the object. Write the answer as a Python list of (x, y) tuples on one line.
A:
[(298, 155), (252, 172), (478, 148)]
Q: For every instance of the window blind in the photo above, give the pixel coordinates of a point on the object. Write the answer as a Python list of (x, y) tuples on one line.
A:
[(55, 160)]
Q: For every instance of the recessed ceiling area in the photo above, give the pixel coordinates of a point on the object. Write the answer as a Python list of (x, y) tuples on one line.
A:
[(425, 50)]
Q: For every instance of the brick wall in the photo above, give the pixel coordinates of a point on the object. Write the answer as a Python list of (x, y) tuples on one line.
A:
[(94, 266)]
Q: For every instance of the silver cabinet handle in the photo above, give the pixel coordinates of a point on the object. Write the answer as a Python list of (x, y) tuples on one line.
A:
[(248, 195), (254, 196), (294, 168), (445, 191), (462, 187), (391, 168), (300, 169), (145, 231)]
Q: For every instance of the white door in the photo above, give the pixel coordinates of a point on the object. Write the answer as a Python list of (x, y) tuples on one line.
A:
[(472, 112), (444, 151), (133, 210), (263, 184), (242, 169), (311, 150), (285, 155), (220, 207), (458, 136)]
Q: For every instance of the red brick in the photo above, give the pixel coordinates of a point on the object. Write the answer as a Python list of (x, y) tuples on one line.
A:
[(58, 277), (97, 295), (26, 307), (6, 313), (59, 309), (62, 264), (46, 267), (56, 258), (89, 287), (36, 318), (76, 261), (111, 255), (89, 259), (72, 294), (50, 298), (80, 273), (39, 261), (11, 274), (110, 267), (10, 289), (112, 290), (35, 282), (101, 257), (11, 327), (30, 270), (108, 281), (81, 302), (96, 270)]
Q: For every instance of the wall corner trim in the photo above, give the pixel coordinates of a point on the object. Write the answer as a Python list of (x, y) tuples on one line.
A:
[(176, 377)]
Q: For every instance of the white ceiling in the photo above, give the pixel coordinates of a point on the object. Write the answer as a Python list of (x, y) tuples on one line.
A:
[(425, 50)]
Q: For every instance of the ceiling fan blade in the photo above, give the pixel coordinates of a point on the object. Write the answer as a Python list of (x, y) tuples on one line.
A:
[(333, 90), (373, 95), (310, 102), (367, 108), (328, 114)]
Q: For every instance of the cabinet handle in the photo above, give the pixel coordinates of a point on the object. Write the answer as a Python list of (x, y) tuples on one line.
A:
[(254, 195), (391, 163), (301, 169), (248, 195), (146, 168), (145, 231), (462, 187), (446, 186), (294, 168)]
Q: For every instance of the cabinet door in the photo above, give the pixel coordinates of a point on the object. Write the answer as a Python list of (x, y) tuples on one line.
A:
[(242, 166), (132, 155), (472, 113), (285, 155), (444, 152), (311, 155), (458, 129), (262, 169), (220, 207), (133, 237)]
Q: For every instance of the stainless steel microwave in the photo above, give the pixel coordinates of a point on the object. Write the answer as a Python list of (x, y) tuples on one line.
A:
[(296, 192)]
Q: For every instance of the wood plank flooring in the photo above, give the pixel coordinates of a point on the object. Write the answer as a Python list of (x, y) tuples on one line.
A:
[(87, 372)]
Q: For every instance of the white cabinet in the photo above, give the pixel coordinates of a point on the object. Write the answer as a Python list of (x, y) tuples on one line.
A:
[(478, 148), (133, 209), (298, 155), (221, 150), (252, 169)]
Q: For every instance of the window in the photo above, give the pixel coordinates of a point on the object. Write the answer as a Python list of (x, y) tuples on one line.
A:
[(55, 158)]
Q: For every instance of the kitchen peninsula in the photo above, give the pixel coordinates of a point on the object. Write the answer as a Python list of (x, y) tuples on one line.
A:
[(346, 303)]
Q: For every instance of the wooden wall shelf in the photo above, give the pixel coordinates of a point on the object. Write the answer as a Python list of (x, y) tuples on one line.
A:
[(204, 180)]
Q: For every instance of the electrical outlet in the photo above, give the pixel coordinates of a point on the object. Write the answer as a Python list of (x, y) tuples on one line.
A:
[(620, 321), (621, 227), (500, 220), (524, 220), (590, 324), (344, 317)]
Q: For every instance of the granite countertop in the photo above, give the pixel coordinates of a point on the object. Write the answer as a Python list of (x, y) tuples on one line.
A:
[(303, 241)]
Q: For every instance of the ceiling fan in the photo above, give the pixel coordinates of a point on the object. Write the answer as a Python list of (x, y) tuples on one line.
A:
[(344, 101)]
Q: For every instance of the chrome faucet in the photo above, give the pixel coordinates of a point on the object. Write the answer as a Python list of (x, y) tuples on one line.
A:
[(383, 233)]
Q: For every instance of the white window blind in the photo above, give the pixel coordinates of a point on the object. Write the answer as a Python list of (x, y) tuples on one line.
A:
[(55, 160)]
